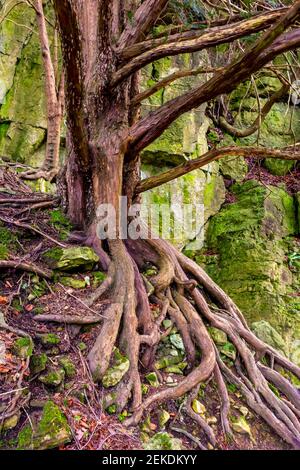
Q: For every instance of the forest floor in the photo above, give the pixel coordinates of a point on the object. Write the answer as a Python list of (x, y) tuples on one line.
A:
[(25, 295)]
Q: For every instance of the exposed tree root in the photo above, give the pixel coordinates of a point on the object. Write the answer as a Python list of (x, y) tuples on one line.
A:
[(186, 294), (24, 266), (69, 319), (35, 174)]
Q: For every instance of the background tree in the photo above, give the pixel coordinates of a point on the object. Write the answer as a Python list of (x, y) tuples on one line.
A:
[(105, 45)]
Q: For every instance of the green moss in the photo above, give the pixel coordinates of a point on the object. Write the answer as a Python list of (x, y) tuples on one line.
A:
[(74, 283), (38, 363), (3, 252), (120, 366), (51, 431), (7, 242), (163, 441), (247, 242), (49, 339), (68, 366), (53, 377), (70, 259), (61, 223), (23, 347)]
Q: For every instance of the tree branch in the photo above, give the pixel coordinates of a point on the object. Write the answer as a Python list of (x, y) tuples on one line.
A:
[(73, 66), (178, 45), (168, 80), (216, 154), (269, 46), (234, 131), (254, 24), (144, 18)]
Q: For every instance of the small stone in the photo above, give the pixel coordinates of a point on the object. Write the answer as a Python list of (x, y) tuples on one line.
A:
[(148, 426), (50, 431), (23, 347), (115, 373), (74, 283), (218, 336), (163, 441), (212, 420), (228, 350), (244, 411), (49, 339), (152, 379), (176, 340), (38, 363), (198, 407), (241, 426), (163, 418), (167, 324), (68, 366), (10, 423), (53, 378)]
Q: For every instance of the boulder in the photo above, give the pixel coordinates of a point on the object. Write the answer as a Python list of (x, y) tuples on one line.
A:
[(71, 259), (269, 335), (50, 431)]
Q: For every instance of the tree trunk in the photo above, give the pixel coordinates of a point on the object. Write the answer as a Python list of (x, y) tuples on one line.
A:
[(102, 167)]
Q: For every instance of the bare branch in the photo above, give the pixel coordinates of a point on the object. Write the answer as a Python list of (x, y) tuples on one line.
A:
[(269, 46), (144, 18), (192, 41), (212, 155), (261, 21), (260, 118), (168, 80)]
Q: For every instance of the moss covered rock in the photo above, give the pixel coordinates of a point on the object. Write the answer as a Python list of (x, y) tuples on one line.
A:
[(68, 366), (49, 340), (269, 335), (38, 363), (115, 373), (71, 259), (163, 441), (23, 347), (53, 377), (50, 431), (279, 167), (246, 254)]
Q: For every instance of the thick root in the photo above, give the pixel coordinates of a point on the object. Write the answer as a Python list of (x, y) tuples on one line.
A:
[(129, 323), (35, 174)]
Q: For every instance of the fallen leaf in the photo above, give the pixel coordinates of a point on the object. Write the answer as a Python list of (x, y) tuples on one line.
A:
[(29, 307), (3, 300)]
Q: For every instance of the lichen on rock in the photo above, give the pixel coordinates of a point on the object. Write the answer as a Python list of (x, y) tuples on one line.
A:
[(50, 431)]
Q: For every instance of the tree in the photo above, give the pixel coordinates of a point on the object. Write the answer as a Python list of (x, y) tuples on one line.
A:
[(104, 45), (54, 92)]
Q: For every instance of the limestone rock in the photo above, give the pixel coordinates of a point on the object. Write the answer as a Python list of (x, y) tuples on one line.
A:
[(152, 379), (163, 441), (50, 431), (70, 259), (269, 335), (115, 373), (38, 363), (68, 366), (23, 347), (53, 377)]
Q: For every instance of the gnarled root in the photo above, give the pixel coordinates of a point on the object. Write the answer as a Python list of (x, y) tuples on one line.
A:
[(128, 321), (47, 174)]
